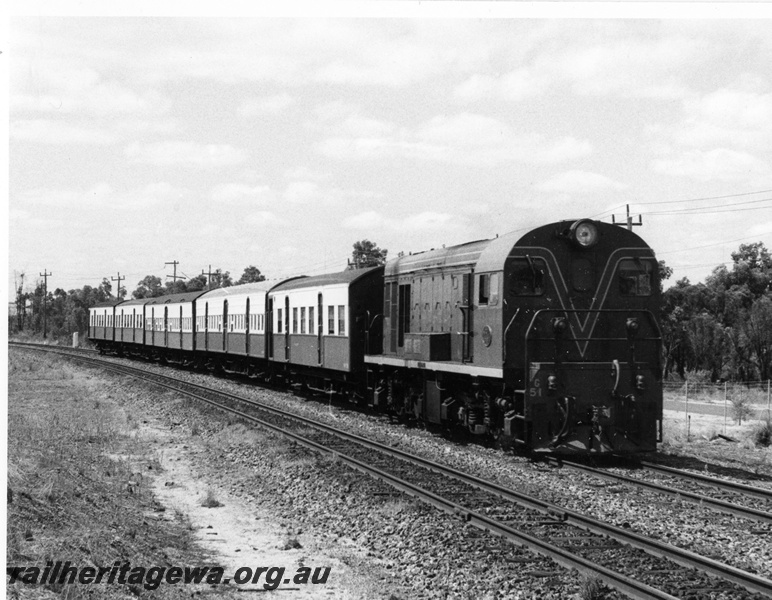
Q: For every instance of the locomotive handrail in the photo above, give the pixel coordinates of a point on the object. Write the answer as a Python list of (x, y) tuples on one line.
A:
[(598, 310), (531, 325), (504, 344)]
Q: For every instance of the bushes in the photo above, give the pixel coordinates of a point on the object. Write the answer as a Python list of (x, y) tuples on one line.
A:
[(762, 434)]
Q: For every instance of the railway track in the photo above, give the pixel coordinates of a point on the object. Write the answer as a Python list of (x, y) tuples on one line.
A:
[(638, 566), (694, 495)]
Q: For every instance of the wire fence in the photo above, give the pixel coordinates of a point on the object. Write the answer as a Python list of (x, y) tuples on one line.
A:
[(736, 401)]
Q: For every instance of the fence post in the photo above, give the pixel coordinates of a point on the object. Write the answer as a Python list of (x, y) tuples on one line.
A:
[(725, 402), (686, 410), (769, 414)]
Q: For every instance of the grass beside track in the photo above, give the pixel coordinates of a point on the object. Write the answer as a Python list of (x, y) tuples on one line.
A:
[(78, 484)]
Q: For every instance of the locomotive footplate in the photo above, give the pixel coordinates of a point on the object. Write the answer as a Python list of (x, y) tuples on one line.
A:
[(598, 407)]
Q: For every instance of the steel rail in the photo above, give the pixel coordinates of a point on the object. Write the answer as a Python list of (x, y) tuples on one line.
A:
[(731, 486), (680, 556), (711, 503)]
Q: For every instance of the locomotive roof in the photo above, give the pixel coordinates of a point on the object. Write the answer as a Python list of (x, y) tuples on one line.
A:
[(463, 254), (492, 259), (490, 255), (344, 277), (176, 298)]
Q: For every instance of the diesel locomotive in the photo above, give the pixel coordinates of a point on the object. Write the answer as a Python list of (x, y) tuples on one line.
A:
[(548, 341)]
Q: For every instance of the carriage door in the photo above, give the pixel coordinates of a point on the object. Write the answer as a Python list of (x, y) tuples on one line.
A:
[(246, 323), (269, 330), (180, 327), (166, 326), (206, 326), (319, 329), (286, 329), (225, 326)]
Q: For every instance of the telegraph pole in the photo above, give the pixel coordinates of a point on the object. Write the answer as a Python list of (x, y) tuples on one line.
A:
[(45, 275), (628, 221), (118, 279), (209, 277), (175, 277)]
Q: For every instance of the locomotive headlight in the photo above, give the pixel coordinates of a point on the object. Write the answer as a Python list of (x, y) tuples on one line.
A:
[(584, 233)]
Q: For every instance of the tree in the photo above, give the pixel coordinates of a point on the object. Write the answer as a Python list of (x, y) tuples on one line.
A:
[(757, 330), (251, 275), (176, 286), (150, 287), (367, 254), (21, 302), (664, 272), (220, 279), (197, 283)]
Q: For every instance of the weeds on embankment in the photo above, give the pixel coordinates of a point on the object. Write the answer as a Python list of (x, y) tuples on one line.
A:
[(78, 483)]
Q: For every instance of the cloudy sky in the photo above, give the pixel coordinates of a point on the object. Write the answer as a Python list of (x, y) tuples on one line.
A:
[(279, 141)]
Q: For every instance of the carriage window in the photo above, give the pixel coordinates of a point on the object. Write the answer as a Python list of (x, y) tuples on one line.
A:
[(526, 277), (635, 277), (341, 320), (303, 320), (294, 320), (279, 322), (311, 320), (331, 320)]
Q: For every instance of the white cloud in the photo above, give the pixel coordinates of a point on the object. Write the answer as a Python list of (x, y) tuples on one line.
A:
[(44, 131), (725, 135), (239, 193), (369, 220), (302, 192), (101, 196), (517, 85), (425, 221), (464, 138), (306, 173), (263, 218), (627, 66), (721, 164), (739, 116), (579, 182), (185, 153), (266, 105)]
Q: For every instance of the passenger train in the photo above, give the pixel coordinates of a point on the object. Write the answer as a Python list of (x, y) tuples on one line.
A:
[(548, 341)]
